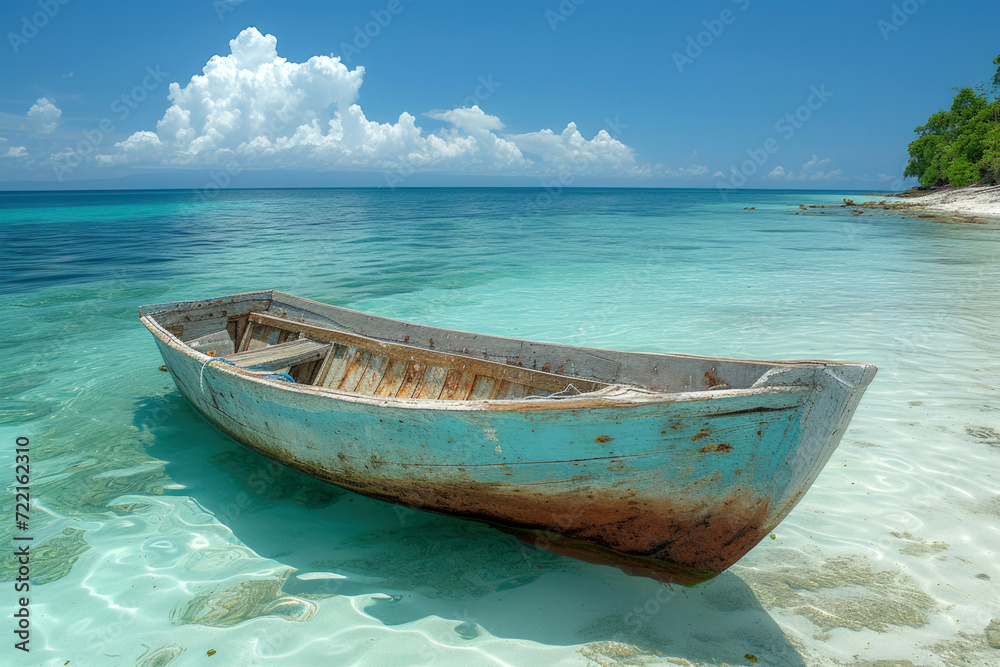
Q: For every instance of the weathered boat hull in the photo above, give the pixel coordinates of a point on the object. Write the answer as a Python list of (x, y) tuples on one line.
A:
[(676, 486)]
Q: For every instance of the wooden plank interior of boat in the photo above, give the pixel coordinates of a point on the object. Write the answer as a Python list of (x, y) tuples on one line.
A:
[(349, 362)]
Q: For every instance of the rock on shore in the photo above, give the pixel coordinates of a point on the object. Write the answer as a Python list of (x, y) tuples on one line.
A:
[(975, 203)]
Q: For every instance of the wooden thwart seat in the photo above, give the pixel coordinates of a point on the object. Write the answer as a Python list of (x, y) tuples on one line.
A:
[(282, 355)]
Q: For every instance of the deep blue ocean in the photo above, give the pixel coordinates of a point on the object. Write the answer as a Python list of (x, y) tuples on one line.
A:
[(156, 539)]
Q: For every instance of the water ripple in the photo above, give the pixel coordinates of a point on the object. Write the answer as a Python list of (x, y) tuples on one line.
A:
[(158, 540)]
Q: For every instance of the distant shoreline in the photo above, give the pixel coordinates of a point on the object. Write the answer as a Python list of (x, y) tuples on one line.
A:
[(972, 203)]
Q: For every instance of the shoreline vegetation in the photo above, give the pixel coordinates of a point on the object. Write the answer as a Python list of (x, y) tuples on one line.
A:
[(956, 158), (961, 146)]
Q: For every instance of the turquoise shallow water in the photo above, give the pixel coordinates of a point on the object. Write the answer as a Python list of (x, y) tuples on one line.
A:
[(157, 539)]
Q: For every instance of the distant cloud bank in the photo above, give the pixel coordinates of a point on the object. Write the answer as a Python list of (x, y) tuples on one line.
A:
[(254, 109)]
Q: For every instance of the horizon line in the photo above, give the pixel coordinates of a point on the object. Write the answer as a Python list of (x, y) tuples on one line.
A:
[(433, 187)]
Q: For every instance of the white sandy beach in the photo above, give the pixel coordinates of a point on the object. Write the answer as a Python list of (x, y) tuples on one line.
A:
[(975, 200)]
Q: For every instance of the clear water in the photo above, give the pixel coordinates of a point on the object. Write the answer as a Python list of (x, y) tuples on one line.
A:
[(156, 539)]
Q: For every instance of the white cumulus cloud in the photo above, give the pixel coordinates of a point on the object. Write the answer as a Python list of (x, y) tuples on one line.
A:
[(692, 171), (473, 119), (815, 162), (259, 110), (13, 151), (44, 115), (820, 175), (570, 149)]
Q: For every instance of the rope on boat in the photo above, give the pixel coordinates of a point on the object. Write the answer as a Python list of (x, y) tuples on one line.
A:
[(280, 376), (284, 377), (559, 394)]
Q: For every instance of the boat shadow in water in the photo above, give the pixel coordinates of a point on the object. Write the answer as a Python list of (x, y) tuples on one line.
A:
[(411, 565)]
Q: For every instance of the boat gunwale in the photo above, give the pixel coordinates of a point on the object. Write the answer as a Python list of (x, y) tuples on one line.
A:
[(636, 396), (177, 306), (786, 362)]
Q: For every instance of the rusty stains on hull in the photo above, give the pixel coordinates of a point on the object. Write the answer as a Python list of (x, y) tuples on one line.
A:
[(712, 381), (670, 541), (676, 541), (716, 448)]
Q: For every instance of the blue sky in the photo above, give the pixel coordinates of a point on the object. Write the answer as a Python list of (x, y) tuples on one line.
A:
[(580, 92)]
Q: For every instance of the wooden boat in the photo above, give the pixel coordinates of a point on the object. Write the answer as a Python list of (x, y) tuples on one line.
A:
[(667, 466)]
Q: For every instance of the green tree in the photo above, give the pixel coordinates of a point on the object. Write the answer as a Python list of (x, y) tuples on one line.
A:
[(990, 163), (960, 146), (961, 172), (926, 158)]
